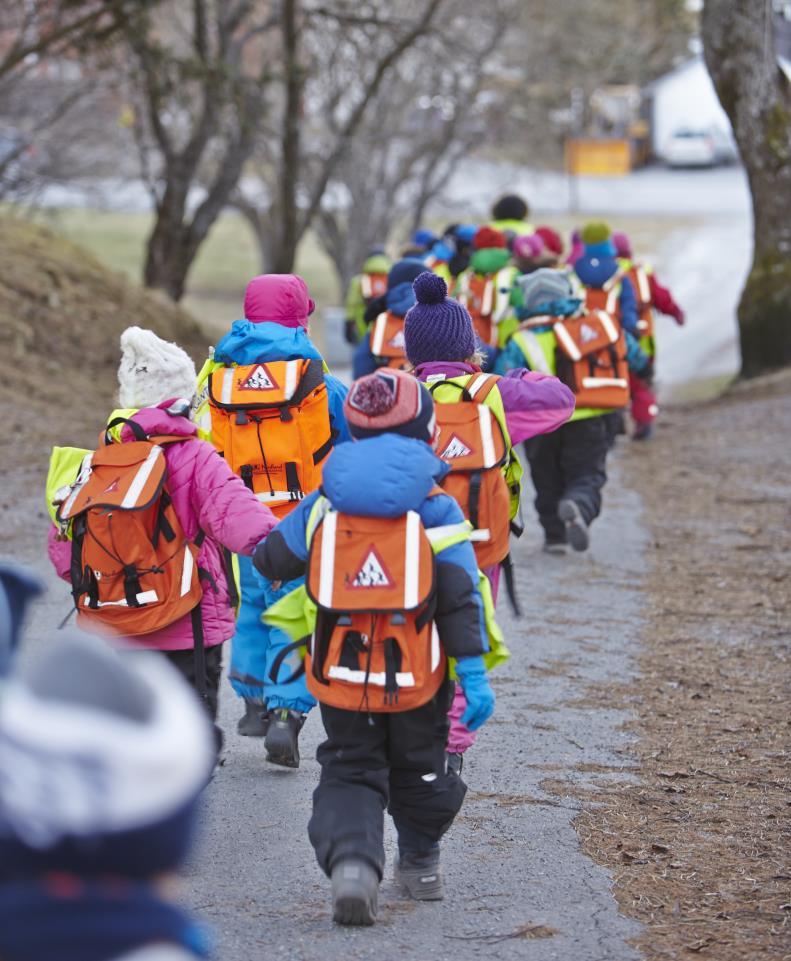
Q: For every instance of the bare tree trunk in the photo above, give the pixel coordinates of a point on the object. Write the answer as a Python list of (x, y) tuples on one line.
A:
[(740, 54), (289, 233), (261, 234)]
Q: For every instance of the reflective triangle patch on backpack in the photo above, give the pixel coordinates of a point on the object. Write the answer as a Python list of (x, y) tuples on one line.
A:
[(456, 448), (587, 334), (372, 572), (259, 379)]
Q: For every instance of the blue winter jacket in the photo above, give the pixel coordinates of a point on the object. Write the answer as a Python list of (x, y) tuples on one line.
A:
[(249, 343), (385, 476)]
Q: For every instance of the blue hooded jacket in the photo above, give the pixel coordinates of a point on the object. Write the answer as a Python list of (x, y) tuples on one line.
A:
[(385, 476), (249, 343)]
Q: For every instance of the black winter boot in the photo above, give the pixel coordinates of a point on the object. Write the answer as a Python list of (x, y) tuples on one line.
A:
[(576, 528), (255, 721), (355, 892), (282, 737), (420, 874)]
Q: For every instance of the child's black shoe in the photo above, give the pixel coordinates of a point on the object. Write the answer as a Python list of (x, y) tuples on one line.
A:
[(355, 892), (255, 721), (576, 528), (420, 874), (282, 737)]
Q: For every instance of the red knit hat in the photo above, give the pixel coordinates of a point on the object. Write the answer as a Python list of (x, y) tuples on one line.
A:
[(486, 237), (552, 240), (390, 401)]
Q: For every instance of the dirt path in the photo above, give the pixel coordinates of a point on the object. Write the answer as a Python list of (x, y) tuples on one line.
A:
[(518, 885), (647, 677), (700, 843)]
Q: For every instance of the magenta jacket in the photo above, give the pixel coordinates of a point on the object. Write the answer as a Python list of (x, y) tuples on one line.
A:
[(534, 403), (208, 496)]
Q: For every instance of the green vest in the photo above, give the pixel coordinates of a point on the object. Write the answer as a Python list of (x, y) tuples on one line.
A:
[(512, 469), (539, 349)]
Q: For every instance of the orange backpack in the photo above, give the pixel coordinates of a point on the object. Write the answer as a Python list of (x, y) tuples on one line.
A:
[(471, 441), (373, 285), (375, 646), (591, 359), (387, 340), (133, 571), (271, 423), (642, 288), (478, 298)]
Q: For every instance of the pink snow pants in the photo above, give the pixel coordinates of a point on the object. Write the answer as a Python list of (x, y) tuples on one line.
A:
[(461, 738), (644, 406)]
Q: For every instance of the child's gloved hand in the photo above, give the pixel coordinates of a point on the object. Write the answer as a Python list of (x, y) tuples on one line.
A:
[(480, 696)]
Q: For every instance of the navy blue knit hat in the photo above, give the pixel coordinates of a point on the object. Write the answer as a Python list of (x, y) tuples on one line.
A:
[(405, 271), (437, 328), (85, 716)]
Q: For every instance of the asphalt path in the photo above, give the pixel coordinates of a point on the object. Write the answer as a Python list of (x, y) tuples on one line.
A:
[(512, 859)]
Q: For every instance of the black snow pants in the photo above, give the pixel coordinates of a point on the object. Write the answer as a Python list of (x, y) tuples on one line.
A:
[(569, 463), (373, 761), (184, 662)]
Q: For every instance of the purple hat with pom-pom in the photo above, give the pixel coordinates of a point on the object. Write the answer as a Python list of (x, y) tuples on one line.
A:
[(437, 328)]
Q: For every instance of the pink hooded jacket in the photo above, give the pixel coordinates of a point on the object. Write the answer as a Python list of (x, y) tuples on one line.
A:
[(207, 496)]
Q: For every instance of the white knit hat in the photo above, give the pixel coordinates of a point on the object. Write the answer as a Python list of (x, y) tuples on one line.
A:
[(152, 370)]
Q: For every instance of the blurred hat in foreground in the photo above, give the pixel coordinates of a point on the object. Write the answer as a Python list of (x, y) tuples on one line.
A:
[(103, 757), (18, 587)]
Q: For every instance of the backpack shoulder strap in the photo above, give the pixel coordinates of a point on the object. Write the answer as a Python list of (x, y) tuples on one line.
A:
[(136, 429), (481, 385)]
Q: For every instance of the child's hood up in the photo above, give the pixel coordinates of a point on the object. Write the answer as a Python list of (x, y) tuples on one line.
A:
[(383, 476)]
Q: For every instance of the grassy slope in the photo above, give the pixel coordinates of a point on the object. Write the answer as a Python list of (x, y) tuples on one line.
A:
[(61, 315), (224, 264)]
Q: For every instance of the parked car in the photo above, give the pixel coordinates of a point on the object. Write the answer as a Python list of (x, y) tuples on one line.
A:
[(699, 148)]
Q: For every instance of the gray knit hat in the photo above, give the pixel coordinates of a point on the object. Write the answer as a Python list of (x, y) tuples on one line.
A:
[(544, 286)]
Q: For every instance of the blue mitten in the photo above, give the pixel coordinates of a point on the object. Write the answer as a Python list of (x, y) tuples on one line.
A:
[(480, 696)]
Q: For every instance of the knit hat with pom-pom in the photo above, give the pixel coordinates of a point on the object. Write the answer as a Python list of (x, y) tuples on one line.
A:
[(486, 237), (528, 247), (597, 238), (437, 328), (390, 401)]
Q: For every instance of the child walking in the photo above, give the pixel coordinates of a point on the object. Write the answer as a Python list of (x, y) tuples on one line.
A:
[(441, 346), (270, 408), (376, 663), (651, 295), (382, 345), (202, 504), (593, 355)]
